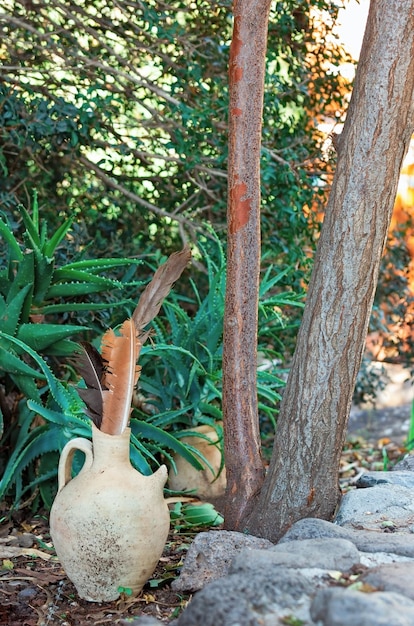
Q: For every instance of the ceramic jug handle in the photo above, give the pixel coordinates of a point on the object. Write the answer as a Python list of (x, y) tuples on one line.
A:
[(66, 458)]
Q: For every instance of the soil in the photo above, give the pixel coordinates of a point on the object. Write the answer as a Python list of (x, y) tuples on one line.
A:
[(373, 424), (34, 590)]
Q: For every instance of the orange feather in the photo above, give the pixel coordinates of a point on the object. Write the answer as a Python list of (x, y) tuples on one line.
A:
[(120, 354)]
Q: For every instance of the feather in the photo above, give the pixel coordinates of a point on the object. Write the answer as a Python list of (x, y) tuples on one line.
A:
[(90, 366), (120, 354), (111, 376), (160, 286)]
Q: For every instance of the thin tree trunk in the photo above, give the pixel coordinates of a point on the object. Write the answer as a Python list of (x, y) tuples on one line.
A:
[(303, 477), (244, 464)]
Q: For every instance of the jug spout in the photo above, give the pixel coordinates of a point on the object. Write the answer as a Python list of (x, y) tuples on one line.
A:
[(160, 476)]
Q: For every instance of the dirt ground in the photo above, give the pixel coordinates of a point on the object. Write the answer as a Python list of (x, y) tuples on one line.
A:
[(34, 590)]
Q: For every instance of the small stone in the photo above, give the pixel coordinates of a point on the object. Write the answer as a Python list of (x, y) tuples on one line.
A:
[(401, 544), (27, 594), (406, 464), (26, 540), (260, 598)]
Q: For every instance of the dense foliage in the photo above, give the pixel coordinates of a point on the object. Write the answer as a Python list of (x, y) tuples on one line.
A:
[(117, 114)]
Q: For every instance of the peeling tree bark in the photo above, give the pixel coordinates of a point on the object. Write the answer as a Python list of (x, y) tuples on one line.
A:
[(244, 466), (303, 477)]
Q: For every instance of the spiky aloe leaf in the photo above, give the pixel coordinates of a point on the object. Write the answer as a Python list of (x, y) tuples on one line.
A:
[(165, 439), (39, 441), (11, 363), (66, 397), (12, 309), (41, 336)]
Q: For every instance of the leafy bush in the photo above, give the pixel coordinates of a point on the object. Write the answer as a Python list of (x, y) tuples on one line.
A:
[(127, 103)]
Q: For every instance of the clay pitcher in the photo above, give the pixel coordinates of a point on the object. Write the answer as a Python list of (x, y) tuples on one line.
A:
[(110, 523), (206, 484)]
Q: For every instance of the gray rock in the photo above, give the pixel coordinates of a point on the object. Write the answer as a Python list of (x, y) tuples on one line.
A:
[(370, 508), (398, 577), (371, 479), (407, 464), (210, 555), (344, 607), (373, 559), (26, 540), (337, 554), (27, 594), (255, 600), (365, 540)]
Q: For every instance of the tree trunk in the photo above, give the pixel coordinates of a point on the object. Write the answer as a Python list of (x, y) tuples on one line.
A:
[(244, 466), (303, 477)]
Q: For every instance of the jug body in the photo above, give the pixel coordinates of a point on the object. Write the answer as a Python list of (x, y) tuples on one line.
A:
[(110, 523)]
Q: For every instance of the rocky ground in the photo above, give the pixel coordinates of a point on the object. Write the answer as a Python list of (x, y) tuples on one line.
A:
[(34, 590)]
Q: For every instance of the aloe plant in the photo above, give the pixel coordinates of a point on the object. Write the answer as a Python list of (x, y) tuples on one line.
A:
[(34, 290), (64, 415)]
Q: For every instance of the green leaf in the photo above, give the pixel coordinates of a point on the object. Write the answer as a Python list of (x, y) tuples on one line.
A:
[(24, 278), (153, 433), (43, 271), (40, 441), (27, 385), (81, 306), (78, 424), (96, 265), (66, 397), (5, 232), (64, 274), (68, 290), (138, 452), (57, 238), (12, 311), (11, 364), (42, 336), (31, 226), (64, 347), (195, 515)]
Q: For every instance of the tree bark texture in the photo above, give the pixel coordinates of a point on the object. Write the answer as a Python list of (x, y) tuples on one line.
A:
[(244, 466), (302, 480)]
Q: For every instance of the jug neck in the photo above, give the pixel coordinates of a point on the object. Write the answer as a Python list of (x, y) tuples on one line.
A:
[(110, 450)]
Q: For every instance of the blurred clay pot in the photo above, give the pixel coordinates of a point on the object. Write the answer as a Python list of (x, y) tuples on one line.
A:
[(204, 484), (110, 523)]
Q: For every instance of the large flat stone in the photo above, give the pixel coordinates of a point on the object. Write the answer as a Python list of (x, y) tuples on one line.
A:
[(370, 508), (365, 540), (210, 555), (398, 577), (344, 607), (371, 479), (330, 553), (259, 599)]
